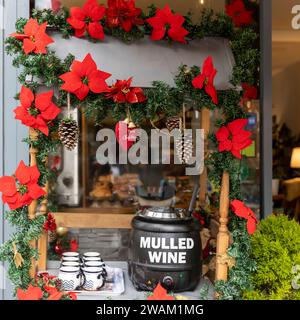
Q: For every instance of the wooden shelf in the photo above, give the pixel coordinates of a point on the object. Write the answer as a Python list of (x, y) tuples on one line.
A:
[(102, 210), (88, 219)]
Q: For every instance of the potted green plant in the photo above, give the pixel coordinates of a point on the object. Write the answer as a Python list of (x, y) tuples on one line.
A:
[(276, 250)]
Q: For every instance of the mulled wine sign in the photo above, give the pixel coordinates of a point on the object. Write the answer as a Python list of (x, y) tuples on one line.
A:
[(166, 251), (164, 248)]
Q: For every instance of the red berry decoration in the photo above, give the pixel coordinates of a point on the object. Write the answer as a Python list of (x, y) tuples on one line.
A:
[(58, 249)]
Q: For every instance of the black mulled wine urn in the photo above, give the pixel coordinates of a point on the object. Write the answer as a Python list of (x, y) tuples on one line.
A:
[(165, 247)]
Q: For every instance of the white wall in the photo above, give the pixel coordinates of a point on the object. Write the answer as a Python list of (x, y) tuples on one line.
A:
[(12, 132)]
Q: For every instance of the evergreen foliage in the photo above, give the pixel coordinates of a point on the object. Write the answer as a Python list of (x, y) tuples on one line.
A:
[(276, 250)]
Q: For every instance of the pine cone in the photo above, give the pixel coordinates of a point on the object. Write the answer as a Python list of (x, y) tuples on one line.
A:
[(184, 148), (52, 236), (173, 123), (68, 132)]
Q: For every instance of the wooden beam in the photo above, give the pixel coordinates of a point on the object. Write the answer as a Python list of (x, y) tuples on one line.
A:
[(205, 125), (93, 220), (84, 159), (101, 210)]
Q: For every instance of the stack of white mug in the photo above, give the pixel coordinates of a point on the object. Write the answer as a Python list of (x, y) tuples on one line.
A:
[(86, 273)]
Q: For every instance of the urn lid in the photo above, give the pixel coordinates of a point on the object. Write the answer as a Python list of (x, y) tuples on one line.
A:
[(165, 213)]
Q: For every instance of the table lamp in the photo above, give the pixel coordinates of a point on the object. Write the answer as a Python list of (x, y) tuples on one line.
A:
[(295, 160)]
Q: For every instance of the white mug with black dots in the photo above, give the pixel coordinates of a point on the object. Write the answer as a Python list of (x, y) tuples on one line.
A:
[(94, 278), (71, 278)]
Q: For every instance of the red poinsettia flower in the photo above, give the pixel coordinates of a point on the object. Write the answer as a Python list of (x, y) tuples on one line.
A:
[(122, 92), (45, 276), (56, 5), (87, 19), (160, 293), (56, 295), (234, 138), (250, 92), (167, 22), (50, 289), (22, 188), (50, 223), (83, 77), (239, 14), (124, 14), (35, 38), (206, 79), (242, 211), (36, 111), (32, 293), (72, 295), (73, 245)]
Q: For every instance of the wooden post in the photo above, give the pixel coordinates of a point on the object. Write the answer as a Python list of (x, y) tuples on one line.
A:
[(223, 235), (84, 159), (42, 249), (205, 125), (33, 135), (43, 240)]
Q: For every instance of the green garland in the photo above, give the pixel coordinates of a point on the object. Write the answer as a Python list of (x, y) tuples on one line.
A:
[(162, 101)]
